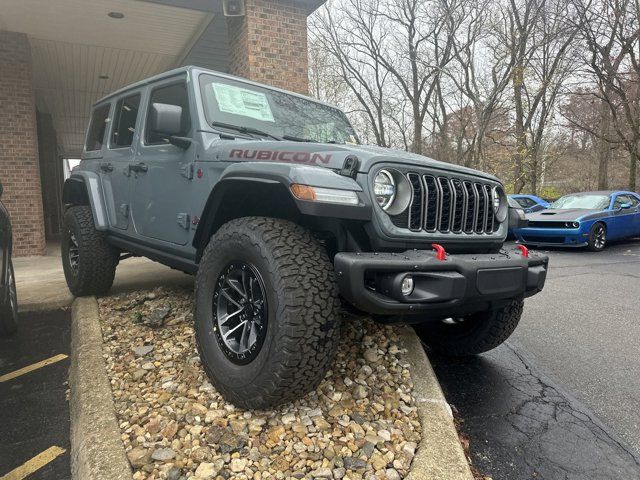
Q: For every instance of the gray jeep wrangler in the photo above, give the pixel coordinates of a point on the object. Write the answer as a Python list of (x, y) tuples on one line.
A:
[(284, 218)]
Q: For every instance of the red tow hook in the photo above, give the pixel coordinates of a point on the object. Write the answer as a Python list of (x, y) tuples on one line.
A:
[(441, 254), (524, 250)]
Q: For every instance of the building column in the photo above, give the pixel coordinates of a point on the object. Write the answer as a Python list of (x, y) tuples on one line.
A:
[(269, 44), (51, 176), (19, 170)]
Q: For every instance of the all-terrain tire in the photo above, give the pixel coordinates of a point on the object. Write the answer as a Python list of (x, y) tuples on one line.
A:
[(95, 268), (9, 307), (473, 334), (302, 325), (597, 237)]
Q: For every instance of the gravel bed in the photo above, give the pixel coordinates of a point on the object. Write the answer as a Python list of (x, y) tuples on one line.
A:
[(361, 422)]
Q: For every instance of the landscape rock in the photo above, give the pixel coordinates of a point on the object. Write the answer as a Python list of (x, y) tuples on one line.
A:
[(360, 423)]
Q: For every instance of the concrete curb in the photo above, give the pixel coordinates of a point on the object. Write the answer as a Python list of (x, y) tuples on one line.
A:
[(440, 455), (97, 453)]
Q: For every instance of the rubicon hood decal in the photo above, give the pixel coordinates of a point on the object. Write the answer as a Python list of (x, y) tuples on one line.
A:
[(308, 158), (325, 155)]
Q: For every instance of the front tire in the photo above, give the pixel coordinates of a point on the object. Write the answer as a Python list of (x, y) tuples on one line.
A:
[(472, 334), (89, 262), (597, 237), (9, 307), (266, 312)]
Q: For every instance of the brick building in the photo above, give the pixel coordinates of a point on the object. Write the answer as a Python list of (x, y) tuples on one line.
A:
[(57, 58)]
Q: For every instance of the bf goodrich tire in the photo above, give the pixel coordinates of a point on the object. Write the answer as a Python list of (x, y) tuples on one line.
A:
[(9, 307), (89, 262), (473, 334), (266, 312), (597, 237)]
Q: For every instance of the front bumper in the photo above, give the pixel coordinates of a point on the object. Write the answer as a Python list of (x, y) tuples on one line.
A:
[(552, 237), (457, 285)]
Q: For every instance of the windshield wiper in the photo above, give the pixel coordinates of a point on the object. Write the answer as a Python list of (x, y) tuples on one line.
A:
[(300, 139), (296, 139), (241, 129)]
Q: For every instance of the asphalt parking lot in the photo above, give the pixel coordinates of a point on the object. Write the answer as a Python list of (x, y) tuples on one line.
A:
[(34, 411), (562, 398)]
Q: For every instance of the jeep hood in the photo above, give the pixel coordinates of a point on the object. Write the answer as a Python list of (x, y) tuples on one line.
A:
[(559, 215), (325, 155)]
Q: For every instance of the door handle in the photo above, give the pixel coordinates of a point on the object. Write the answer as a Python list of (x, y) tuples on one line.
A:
[(106, 167), (138, 167)]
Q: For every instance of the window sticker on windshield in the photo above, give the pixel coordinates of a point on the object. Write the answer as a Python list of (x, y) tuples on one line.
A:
[(240, 101)]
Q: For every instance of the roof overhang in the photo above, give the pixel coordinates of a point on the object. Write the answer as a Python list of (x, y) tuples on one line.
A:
[(81, 51)]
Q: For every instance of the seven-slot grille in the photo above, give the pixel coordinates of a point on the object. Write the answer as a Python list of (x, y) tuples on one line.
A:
[(448, 205)]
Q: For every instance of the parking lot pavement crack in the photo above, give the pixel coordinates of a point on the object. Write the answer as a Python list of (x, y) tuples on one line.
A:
[(521, 425)]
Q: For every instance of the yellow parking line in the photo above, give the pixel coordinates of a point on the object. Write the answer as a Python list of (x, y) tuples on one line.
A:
[(32, 367), (36, 463)]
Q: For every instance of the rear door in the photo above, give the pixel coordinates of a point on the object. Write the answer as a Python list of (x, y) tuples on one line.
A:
[(163, 173), (114, 169)]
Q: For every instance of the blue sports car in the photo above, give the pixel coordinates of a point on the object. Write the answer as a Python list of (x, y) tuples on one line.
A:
[(584, 219), (530, 203)]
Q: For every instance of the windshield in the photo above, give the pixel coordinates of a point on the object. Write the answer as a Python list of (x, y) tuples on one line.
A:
[(275, 114), (592, 202)]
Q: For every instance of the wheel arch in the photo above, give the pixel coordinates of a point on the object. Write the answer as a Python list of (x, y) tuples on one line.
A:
[(265, 190), (242, 197), (84, 188)]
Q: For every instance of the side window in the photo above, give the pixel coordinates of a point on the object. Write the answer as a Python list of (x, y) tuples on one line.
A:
[(525, 202), (621, 199), (124, 121), (97, 128), (175, 94)]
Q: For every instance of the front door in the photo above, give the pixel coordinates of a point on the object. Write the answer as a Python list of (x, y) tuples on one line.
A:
[(625, 221), (115, 165), (163, 175)]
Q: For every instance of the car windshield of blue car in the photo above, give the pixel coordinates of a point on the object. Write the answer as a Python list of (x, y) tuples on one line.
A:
[(239, 106), (591, 202)]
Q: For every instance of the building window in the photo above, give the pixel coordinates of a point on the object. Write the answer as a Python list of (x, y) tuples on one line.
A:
[(174, 94), (97, 128), (124, 125)]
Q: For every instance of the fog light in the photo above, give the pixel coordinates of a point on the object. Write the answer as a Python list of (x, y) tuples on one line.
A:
[(407, 285)]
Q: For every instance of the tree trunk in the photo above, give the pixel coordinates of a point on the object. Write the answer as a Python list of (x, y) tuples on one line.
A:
[(633, 166), (604, 148), (417, 131), (521, 138)]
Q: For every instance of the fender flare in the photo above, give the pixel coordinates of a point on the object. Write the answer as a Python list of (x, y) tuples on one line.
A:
[(85, 188), (273, 180)]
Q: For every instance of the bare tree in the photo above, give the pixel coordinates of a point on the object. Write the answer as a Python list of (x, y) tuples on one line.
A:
[(611, 31)]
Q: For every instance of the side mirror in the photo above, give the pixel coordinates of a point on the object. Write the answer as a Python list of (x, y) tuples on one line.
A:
[(625, 206), (165, 119)]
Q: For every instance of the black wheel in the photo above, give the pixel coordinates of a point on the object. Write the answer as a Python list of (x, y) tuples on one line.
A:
[(266, 312), (9, 306), (472, 334), (89, 262), (597, 237)]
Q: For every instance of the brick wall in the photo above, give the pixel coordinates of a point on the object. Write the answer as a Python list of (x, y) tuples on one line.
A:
[(19, 170), (269, 44)]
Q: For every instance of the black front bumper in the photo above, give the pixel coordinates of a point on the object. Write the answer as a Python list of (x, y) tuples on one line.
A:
[(457, 285)]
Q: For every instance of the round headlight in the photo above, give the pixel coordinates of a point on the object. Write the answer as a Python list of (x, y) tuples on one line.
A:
[(384, 189), (500, 204)]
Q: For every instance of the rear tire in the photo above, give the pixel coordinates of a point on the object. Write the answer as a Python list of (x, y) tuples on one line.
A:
[(290, 308), (89, 262), (597, 237), (473, 334), (9, 307)]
